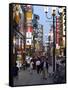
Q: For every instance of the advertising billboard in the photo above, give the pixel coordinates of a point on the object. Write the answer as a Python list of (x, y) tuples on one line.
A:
[(57, 31)]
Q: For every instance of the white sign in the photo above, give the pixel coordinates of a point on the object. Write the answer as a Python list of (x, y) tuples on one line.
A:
[(28, 41), (57, 46), (28, 34)]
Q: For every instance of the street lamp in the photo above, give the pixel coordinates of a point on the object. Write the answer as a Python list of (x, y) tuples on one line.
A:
[(52, 17)]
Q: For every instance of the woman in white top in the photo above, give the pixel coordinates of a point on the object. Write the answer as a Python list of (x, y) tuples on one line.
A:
[(38, 66), (44, 72)]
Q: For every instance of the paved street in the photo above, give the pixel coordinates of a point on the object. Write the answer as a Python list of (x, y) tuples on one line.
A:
[(25, 78)]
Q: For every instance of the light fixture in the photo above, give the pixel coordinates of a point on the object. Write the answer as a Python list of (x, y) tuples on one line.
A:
[(46, 9), (60, 10)]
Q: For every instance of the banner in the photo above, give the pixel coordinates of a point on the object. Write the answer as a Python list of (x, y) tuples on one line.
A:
[(57, 31)]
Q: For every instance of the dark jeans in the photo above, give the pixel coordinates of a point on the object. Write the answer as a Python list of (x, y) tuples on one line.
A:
[(38, 68)]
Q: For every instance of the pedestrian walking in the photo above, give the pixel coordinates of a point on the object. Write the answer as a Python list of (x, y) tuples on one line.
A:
[(50, 70), (31, 67), (47, 66), (45, 69), (38, 65), (24, 66), (15, 71), (41, 64), (34, 63), (19, 65)]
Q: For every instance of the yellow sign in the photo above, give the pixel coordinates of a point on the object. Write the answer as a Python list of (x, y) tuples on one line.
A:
[(29, 15), (17, 17)]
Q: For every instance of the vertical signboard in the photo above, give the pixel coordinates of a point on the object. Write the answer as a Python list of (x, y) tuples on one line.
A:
[(29, 32), (29, 36), (57, 31), (29, 15)]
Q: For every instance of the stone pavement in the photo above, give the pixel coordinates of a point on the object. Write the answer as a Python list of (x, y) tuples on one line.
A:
[(26, 78)]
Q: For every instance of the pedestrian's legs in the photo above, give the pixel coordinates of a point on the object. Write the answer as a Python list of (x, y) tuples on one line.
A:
[(38, 69), (46, 74), (30, 70), (43, 74)]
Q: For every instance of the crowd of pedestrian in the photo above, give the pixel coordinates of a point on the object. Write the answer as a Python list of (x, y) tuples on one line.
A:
[(40, 64)]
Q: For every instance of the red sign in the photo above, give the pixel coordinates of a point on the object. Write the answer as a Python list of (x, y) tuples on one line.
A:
[(29, 29)]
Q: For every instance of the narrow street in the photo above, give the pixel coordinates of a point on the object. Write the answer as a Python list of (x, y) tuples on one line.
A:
[(25, 78), (38, 42)]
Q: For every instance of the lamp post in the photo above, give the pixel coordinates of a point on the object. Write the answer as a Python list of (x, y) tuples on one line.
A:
[(54, 44)]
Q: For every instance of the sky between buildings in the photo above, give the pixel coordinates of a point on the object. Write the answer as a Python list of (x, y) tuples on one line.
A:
[(39, 10)]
